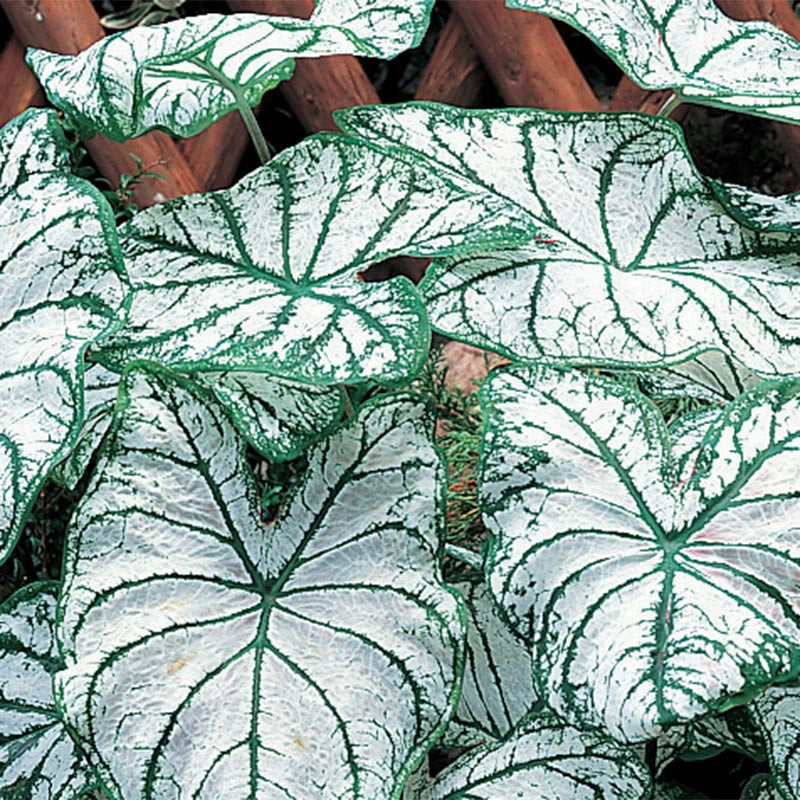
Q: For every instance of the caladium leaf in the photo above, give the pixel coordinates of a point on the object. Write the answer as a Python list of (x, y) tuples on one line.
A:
[(760, 787), (760, 211), (634, 262), (279, 418), (777, 714), (691, 46), (61, 291), (99, 394), (184, 75), (705, 737), (212, 656), (263, 277), (649, 596), (497, 690), (38, 758), (711, 376), (543, 759)]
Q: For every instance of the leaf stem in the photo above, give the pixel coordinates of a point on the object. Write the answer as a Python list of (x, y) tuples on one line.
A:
[(465, 556), (670, 104), (248, 117)]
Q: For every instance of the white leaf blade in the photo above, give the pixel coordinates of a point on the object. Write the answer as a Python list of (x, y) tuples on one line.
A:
[(544, 759), (497, 690), (61, 289), (38, 759), (634, 264), (213, 598), (691, 46), (595, 533), (263, 277), (776, 712), (166, 76)]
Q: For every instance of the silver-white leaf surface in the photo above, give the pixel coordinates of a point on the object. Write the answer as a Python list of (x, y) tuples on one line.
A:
[(210, 655), (656, 582)]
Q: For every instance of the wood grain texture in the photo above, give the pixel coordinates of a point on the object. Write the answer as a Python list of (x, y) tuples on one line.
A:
[(525, 56), (454, 74), (69, 26), (20, 87)]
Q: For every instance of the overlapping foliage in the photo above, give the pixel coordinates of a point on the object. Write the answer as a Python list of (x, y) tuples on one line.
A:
[(639, 590)]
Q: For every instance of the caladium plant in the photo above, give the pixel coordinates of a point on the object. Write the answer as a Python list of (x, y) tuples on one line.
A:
[(692, 47), (62, 290), (634, 262), (184, 75), (641, 580), (656, 582), (249, 634)]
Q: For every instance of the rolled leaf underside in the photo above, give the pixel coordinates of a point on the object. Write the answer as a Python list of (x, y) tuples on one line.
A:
[(314, 657), (38, 759), (654, 588), (61, 290), (184, 75), (497, 690), (777, 714), (634, 263), (691, 46), (264, 276), (544, 759)]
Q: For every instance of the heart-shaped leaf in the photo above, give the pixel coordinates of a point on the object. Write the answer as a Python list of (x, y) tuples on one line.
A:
[(38, 759), (61, 290), (545, 759), (653, 589), (691, 46), (777, 714), (635, 263), (212, 656), (497, 690), (264, 276), (184, 75)]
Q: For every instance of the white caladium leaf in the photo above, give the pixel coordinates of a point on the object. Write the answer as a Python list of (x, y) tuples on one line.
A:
[(60, 290), (99, 394), (711, 376), (634, 262), (760, 211), (777, 714), (38, 758), (706, 737), (184, 75), (691, 46), (650, 595), (279, 418), (497, 690), (264, 276), (544, 759), (210, 655), (761, 787)]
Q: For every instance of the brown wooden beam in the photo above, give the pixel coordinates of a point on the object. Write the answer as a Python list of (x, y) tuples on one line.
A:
[(454, 74), (20, 87), (69, 27), (525, 56)]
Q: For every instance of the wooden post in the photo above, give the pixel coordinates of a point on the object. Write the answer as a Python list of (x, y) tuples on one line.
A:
[(525, 56), (20, 87), (215, 153), (69, 27), (319, 86), (454, 73)]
